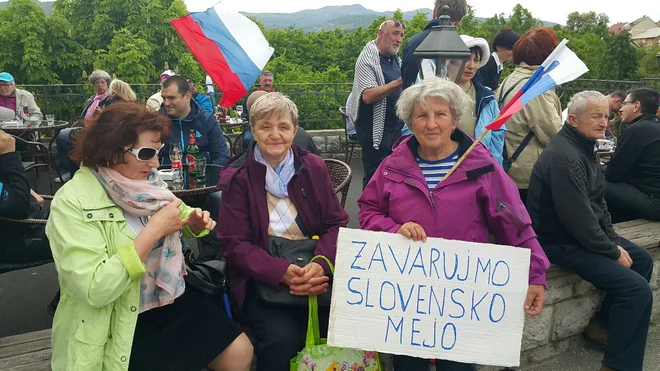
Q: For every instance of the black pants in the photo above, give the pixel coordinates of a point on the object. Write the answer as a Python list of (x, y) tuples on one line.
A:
[(626, 309), (626, 202), (64, 142), (280, 331), (371, 158), (405, 363)]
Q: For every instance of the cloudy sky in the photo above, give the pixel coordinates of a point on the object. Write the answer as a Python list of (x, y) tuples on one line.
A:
[(552, 11)]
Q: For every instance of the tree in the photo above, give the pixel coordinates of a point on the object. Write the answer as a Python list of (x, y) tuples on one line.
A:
[(621, 61), (522, 20), (589, 22)]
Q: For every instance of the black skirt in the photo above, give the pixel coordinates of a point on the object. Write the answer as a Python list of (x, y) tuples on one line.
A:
[(185, 335)]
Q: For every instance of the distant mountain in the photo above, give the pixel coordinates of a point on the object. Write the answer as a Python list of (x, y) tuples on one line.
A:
[(330, 17), (346, 17), (48, 6)]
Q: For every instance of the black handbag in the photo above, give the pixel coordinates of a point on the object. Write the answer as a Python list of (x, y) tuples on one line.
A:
[(209, 277), (298, 252)]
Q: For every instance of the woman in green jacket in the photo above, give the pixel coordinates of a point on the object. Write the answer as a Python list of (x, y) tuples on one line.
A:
[(114, 233)]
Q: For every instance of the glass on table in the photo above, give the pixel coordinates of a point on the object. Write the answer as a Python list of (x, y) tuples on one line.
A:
[(239, 110), (200, 166), (50, 119)]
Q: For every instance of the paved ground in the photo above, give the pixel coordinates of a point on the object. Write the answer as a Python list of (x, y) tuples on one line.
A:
[(25, 294)]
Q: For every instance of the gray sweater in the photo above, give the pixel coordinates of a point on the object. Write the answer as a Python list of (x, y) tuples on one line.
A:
[(566, 196)]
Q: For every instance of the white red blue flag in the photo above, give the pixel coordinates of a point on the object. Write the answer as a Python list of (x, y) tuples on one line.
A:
[(229, 46)]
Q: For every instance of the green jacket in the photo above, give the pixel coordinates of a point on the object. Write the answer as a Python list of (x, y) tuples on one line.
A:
[(99, 274)]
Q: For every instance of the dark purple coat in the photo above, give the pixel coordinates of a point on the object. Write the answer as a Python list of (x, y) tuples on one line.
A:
[(243, 217)]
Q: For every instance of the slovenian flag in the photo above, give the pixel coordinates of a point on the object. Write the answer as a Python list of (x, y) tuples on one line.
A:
[(561, 66), (229, 46)]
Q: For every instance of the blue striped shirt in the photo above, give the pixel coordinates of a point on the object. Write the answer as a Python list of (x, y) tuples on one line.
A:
[(435, 171)]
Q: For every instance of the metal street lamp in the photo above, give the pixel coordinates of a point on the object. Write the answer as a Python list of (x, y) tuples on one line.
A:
[(442, 53)]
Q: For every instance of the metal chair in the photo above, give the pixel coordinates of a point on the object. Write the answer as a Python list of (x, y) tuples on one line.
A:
[(8, 267), (39, 157), (341, 175), (350, 143), (238, 148)]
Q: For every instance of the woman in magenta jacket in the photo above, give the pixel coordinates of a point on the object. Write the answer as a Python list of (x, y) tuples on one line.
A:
[(407, 194)]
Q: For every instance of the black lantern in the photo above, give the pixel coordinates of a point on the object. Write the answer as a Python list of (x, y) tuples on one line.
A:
[(443, 52)]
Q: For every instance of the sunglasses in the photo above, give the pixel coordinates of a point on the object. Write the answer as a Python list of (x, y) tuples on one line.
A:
[(144, 153), (628, 102), (395, 22)]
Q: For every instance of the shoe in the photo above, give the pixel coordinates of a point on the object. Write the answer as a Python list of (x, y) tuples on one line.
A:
[(595, 333), (64, 178)]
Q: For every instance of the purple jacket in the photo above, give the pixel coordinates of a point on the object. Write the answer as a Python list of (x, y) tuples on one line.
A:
[(476, 199), (243, 217)]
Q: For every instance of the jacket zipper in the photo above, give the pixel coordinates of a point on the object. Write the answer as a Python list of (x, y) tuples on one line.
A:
[(502, 206), (432, 200), (309, 206), (413, 176)]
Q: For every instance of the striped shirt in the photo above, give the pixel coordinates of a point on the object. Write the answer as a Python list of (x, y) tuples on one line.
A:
[(435, 171)]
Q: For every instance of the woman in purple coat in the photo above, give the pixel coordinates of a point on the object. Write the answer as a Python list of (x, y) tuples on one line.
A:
[(409, 195), (275, 189)]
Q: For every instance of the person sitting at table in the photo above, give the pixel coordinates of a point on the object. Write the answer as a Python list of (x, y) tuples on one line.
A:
[(156, 100), (567, 205), (276, 189), (185, 115), (121, 92), (114, 233), (18, 100), (100, 80), (632, 190), (302, 139), (409, 193)]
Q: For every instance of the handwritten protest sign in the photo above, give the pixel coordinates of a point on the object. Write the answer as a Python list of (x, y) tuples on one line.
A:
[(444, 299)]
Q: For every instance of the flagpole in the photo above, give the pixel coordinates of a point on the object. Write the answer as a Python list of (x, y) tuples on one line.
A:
[(460, 160)]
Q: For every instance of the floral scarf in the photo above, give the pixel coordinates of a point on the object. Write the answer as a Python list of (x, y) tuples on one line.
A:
[(95, 104), (277, 179), (163, 281)]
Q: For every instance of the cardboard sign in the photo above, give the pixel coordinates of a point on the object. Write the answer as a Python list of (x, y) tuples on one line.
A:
[(443, 299)]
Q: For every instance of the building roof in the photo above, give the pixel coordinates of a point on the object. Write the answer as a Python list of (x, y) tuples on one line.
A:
[(651, 33), (616, 28), (636, 21)]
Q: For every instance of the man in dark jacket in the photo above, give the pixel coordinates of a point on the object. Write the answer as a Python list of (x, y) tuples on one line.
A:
[(187, 115), (569, 214), (633, 174), (503, 43), (409, 69), (21, 243)]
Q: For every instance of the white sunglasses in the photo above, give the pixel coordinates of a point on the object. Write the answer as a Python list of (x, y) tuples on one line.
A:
[(144, 153)]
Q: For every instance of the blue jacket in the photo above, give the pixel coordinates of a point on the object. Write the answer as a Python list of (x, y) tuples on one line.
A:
[(487, 109), (210, 139), (204, 101)]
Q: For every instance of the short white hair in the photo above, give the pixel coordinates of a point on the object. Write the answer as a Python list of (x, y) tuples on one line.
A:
[(432, 87), (578, 103), (273, 104)]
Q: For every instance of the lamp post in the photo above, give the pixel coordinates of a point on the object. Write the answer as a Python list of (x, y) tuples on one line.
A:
[(443, 52)]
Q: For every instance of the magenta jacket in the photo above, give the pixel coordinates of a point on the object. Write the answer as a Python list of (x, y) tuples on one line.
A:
[(243, 217), (476, 199)]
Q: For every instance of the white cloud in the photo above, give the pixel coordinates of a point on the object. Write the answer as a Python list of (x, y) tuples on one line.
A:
[(555, 11)]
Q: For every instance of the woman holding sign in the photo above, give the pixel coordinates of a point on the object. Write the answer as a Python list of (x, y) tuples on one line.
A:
[(409, 195)]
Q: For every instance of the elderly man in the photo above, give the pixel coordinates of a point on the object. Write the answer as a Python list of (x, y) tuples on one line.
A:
[(187, 115), (566, 200), (633, 173), (376, 89), (18, 100), (266, 82)]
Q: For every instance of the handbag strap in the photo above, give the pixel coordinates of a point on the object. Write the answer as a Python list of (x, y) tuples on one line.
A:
[(313, 331), (523, 144)]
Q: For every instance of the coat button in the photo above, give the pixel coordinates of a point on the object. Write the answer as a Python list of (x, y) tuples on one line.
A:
[(123, 359), (89, 216), (385, 173), (133, 309), (112, 215), (109, 336)]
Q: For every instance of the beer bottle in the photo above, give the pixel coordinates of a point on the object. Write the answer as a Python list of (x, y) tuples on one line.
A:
[(192, 156)]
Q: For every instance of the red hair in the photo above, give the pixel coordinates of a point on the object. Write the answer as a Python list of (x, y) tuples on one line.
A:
[(534, 46)]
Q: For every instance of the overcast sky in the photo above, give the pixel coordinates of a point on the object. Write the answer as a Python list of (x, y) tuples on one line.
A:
[(551, 11)]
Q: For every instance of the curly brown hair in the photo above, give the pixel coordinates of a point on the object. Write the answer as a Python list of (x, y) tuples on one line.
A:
[(102, 141)]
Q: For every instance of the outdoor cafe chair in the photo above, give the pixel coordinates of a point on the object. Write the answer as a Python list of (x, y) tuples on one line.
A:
[(341, 175)]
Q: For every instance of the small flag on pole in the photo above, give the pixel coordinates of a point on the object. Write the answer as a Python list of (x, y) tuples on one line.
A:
[(560, 67), (229, 46)]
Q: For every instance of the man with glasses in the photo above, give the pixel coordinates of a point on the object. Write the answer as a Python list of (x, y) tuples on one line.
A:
[(18, 100), (376, 89), (633, 173)]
